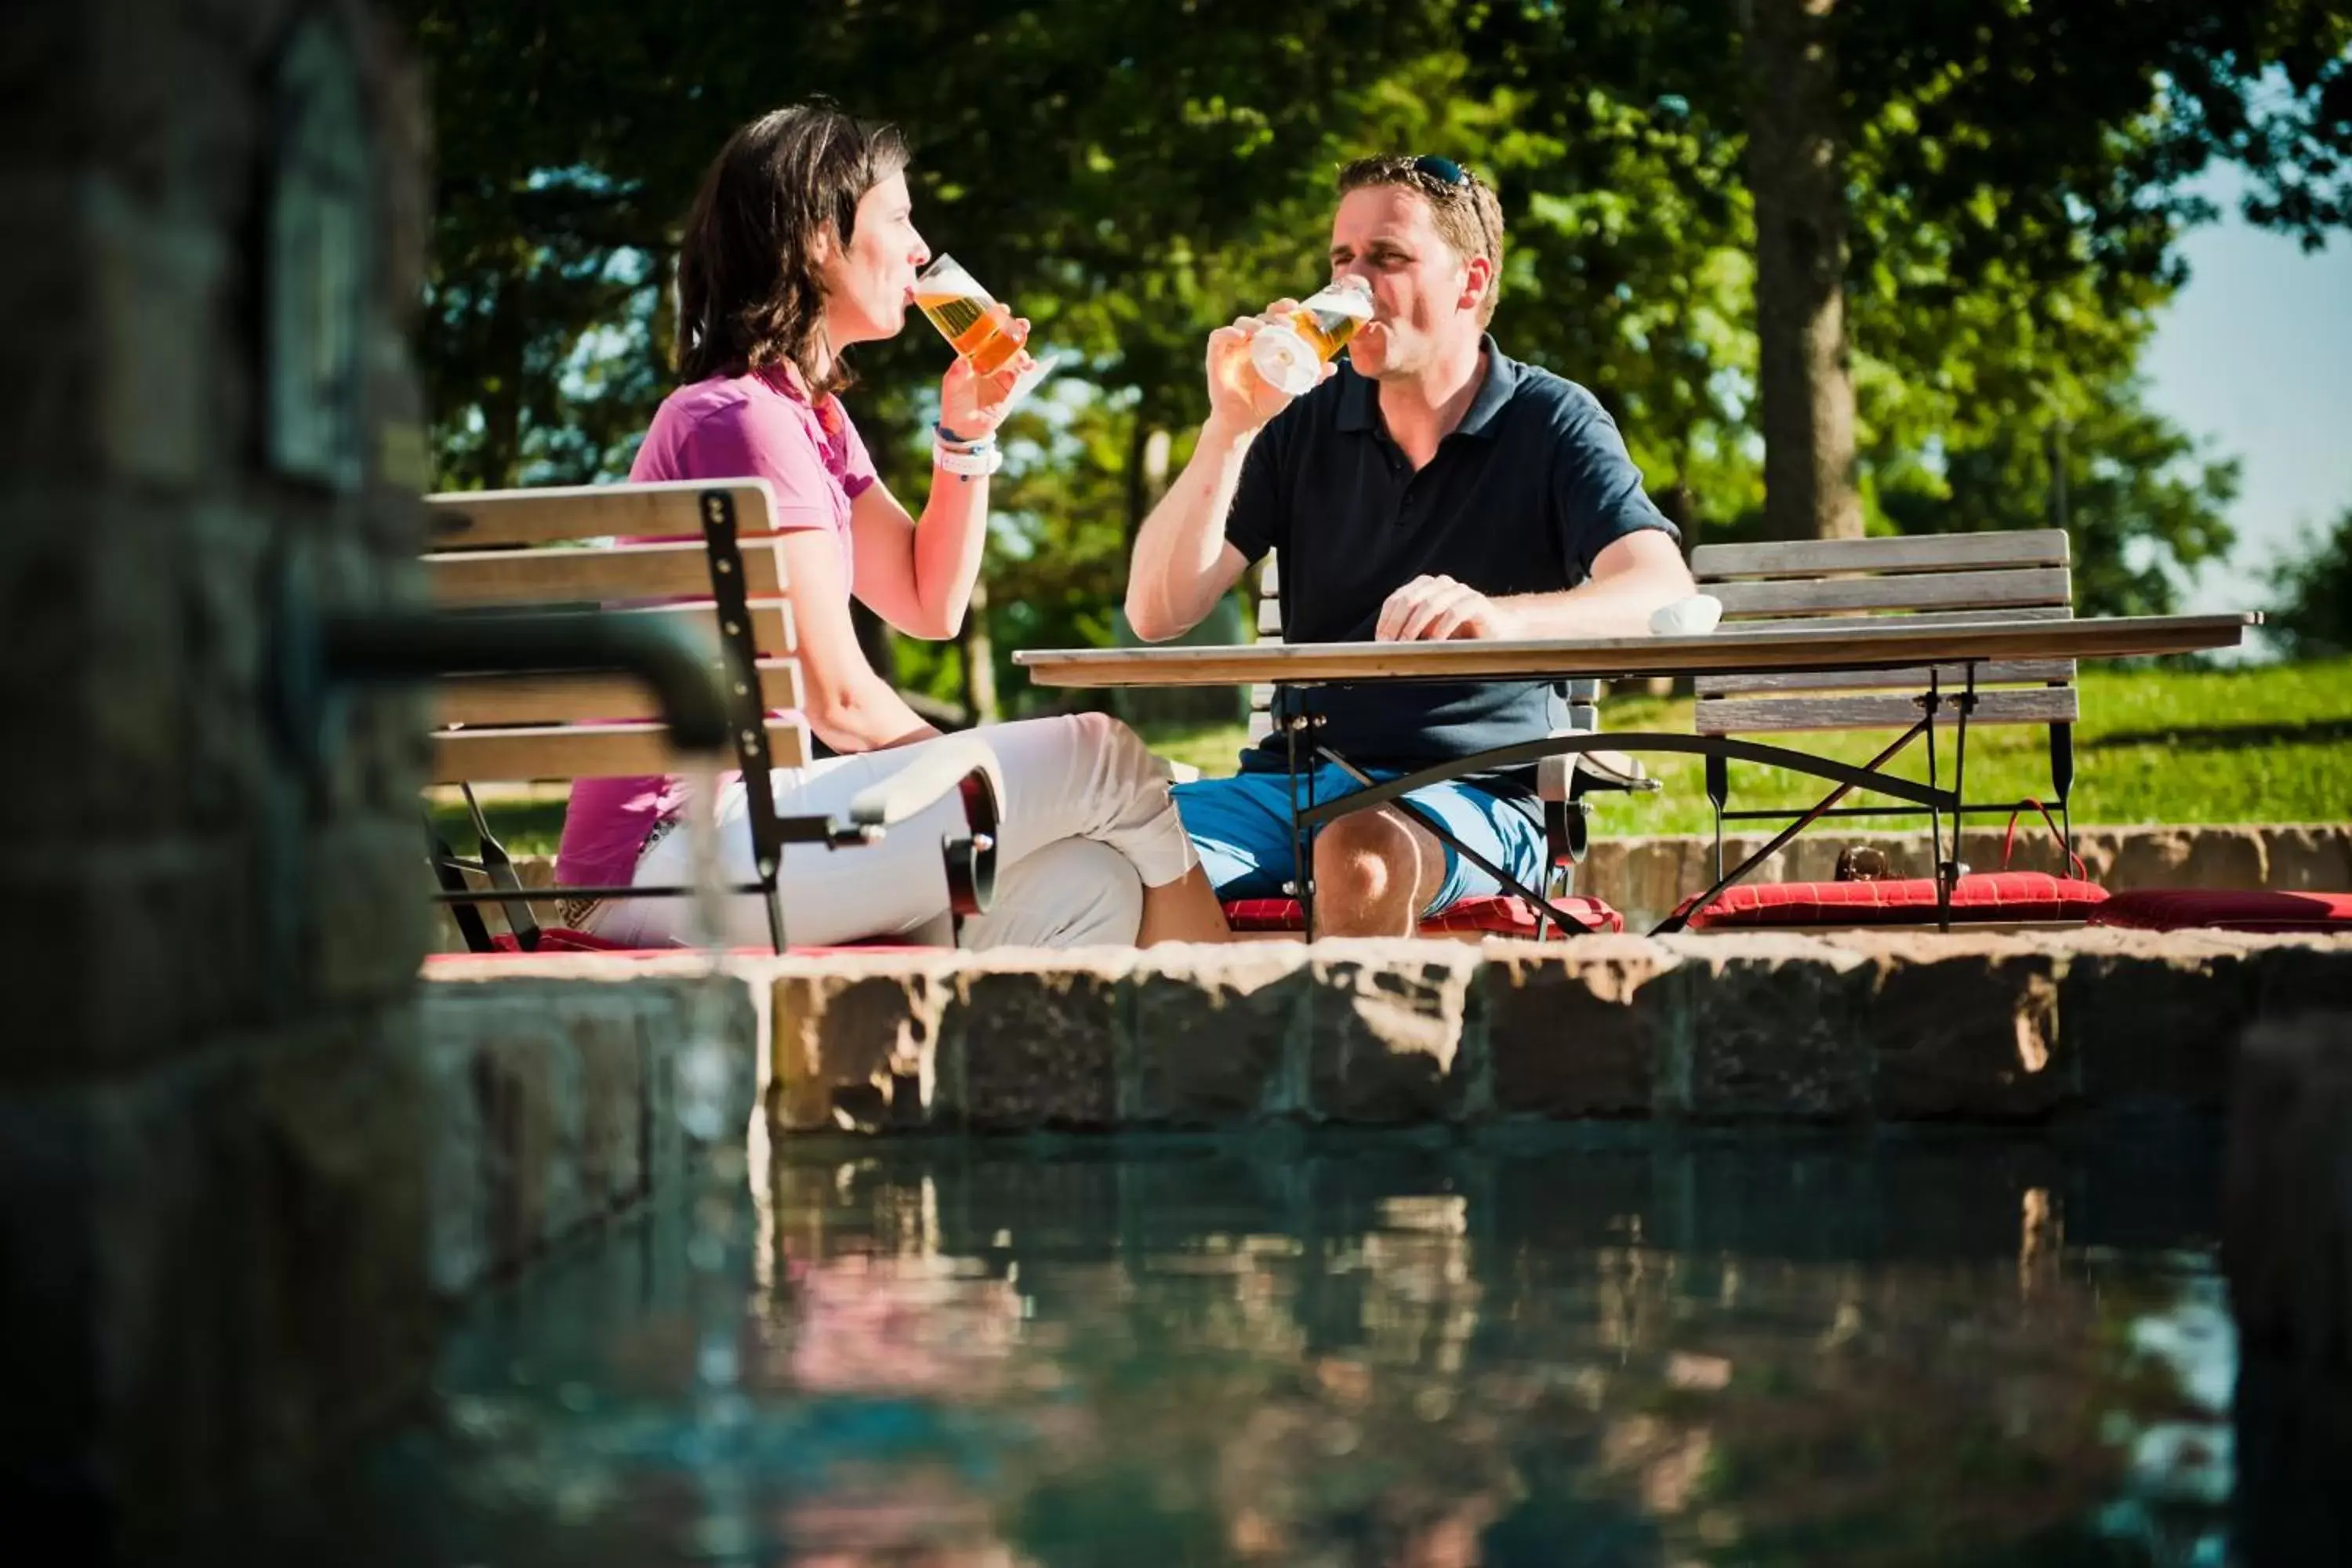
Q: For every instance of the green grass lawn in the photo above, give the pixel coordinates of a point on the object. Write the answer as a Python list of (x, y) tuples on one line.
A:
[(2269, 744)]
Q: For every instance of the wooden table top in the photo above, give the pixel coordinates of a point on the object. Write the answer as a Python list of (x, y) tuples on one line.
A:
[(1729, 651)]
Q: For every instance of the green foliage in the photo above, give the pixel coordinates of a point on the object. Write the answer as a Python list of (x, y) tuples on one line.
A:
[(2312, 613), (1131, 174)]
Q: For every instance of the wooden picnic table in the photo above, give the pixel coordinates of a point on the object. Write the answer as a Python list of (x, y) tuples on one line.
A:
[(1913, 640), (1944, 655)]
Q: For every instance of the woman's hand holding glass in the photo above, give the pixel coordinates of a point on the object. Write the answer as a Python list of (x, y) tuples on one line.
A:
[(973, 405)]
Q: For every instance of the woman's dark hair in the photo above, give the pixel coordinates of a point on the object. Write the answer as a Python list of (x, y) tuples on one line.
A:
[(747, 294)]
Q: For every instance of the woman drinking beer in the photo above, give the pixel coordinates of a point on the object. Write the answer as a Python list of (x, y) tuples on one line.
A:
[(802, 244)]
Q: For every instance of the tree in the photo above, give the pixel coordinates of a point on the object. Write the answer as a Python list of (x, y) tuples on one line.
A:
[(2313, 616), (1130, 174)]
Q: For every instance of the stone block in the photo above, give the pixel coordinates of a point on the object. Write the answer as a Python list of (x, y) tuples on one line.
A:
[(557, 1096), (1386, 1025), (2189, 857), (1767, 1026), (611, 1058), (2313, 858), (460, 1245), (2152, 1016), (221, 1260), (338, 1213), (368, 910), (1037, 1041), (140, 948), (1574, 1028), (1216, 1030), (1648, 875), (227, 746), (159, 282), (525, 1070), (47, 319), (1965, 1026), (856, 1041)]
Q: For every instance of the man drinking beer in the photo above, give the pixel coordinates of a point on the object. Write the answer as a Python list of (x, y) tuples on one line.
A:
[(1430, 486)]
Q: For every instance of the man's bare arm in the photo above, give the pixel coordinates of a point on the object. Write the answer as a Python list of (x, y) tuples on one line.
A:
[(1182, 564)]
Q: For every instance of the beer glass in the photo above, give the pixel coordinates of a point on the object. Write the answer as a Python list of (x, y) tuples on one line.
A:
[(965, 314), (1291, 352)]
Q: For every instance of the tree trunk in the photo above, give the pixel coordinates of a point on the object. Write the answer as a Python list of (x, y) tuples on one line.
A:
[(979, 655), (1796, 175)]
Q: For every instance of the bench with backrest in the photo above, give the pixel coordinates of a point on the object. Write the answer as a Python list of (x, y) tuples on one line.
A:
[(1563, 784), (701, 556), (1921, 581)]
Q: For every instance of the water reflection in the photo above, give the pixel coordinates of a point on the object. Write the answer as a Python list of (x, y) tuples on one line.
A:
[(1747, 1351)]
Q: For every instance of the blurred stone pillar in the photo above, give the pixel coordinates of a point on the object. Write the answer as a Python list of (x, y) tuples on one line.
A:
[(2287, 1246), (212, 1258)]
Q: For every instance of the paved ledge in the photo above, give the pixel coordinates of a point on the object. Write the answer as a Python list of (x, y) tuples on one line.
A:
[(1713, 1028), (1717, 1028)]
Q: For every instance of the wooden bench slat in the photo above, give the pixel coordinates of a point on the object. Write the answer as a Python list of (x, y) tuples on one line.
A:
[(592, 577), (1740, 716), (671, 509), (1909, 552), (1907, 622), (772, 631), (1269, 575), (582, 752), (511, 699), (1923, 591), (1954, 677), (1269, 616)]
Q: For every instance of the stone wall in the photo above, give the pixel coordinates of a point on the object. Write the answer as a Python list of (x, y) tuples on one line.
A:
[(1644, 877), (1892, 1026), (211, 1183)]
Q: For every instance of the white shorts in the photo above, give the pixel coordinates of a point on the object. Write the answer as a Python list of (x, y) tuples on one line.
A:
[(1086, 826)]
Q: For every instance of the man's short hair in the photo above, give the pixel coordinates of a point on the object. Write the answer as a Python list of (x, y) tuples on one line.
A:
[(1464, 206)]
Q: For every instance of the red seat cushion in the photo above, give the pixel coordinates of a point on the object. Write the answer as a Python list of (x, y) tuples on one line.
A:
[(560, 939), (2179, 909), (1991, 895), (1510, 916)]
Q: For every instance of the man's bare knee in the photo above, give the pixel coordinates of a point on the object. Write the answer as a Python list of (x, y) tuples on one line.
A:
[(1368, 858)]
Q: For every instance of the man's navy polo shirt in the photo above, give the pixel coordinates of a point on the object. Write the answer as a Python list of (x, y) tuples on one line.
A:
[(1519, 498)]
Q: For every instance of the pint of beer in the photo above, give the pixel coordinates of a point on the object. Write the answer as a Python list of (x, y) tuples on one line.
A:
[(1291, 352), (965, 314)]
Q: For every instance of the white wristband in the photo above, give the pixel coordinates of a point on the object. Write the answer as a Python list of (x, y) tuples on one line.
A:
[(976, 461)]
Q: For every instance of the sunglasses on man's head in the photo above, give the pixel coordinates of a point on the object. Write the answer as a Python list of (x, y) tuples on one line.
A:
[(1455, 178), (1445, 171)]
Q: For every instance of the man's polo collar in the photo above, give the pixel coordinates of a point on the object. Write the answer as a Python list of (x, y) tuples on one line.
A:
[(1359, 403), (1493, 393)]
